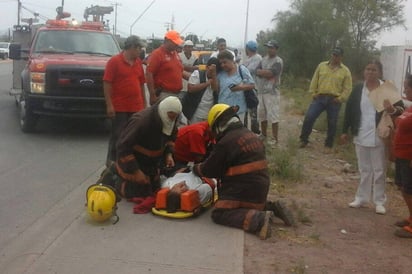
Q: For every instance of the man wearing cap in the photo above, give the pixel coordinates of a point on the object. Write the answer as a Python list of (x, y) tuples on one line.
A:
[(268, 83), (164, 70), (330, 86), (146, 141), (252, 63), (123, 85), (188, 59)]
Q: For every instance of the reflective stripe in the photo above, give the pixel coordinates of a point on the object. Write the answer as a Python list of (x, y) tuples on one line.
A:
[(248, 220), (228, 204), (246, 168), (127, 158)]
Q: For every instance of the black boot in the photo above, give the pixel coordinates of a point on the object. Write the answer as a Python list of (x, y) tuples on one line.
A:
[(280, 210)]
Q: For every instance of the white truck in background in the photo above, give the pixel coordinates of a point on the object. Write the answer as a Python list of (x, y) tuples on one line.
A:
[(4, 50), (396, 61)]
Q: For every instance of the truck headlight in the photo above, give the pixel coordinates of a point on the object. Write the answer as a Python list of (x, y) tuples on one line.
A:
[(37, 82)]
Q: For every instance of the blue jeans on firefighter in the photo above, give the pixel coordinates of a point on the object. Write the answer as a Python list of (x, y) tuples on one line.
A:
[(318, 105)]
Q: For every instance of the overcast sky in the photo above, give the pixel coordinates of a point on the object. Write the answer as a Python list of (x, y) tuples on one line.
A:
[(208, 19)]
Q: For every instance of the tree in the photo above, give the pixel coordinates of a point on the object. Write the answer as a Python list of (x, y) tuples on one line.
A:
[(366, 20), (193, 38), (306, 34), (311, 28)]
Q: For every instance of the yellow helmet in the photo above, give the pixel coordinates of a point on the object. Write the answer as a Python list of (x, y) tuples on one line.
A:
[(215, 112), (101, 202)]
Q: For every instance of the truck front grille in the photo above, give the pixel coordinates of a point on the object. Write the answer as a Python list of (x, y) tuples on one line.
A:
[(74, 81)]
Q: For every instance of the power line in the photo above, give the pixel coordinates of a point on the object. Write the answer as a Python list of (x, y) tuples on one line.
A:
[(141, 15)]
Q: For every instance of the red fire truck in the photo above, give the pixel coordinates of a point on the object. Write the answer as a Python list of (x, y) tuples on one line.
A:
[(60, 71)]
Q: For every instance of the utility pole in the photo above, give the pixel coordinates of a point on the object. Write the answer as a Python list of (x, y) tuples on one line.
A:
[(115, 17), (246, 25), (18, 12)]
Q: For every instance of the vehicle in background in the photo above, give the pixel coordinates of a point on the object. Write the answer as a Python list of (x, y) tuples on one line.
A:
[(4, 50), (202, 56), (397, 63), (62, 70)]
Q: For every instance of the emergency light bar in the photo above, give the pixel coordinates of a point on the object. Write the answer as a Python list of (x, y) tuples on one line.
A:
[(74, 24)]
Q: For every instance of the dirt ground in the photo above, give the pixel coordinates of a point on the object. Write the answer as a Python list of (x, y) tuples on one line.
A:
[(329, 236)]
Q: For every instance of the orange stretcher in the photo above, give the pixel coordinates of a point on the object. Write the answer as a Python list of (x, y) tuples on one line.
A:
[(189, 204)]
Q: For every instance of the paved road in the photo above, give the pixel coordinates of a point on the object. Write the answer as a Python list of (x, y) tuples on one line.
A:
[(44, 227)]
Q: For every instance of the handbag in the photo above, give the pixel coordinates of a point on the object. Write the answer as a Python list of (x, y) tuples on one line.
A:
[(385, 126), (251, 98)]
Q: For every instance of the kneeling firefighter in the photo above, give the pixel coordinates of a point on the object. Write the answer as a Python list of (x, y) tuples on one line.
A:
[(238, 159)]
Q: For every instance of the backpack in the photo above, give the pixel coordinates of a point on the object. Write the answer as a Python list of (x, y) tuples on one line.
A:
[(251, 98)]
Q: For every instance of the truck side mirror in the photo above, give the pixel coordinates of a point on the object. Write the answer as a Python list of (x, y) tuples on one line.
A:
[(15, 51)]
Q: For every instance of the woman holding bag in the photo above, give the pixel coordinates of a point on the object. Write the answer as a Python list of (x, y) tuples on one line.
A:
[(233, 81), (362, 119)]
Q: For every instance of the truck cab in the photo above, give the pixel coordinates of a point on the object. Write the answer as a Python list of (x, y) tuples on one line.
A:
[(4, 50), (63, 71)]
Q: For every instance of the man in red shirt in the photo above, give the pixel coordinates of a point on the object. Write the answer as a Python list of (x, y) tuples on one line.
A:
[(192, 142), (123, 84), (164, 70)]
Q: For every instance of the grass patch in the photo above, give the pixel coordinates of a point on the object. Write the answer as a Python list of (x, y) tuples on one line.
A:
[(301, 215), (284, 163), (300, 267)]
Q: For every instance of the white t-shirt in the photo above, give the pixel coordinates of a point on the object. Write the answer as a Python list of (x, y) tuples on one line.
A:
[(193, 182), (206, 102), (367, 135), (186, 62)]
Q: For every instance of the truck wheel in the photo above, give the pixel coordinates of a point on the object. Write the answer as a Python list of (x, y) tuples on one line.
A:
[(28, 119)]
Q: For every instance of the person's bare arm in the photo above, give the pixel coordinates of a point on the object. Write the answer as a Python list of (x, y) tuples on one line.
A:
[(192, 88), (108, 89), (150, 87)]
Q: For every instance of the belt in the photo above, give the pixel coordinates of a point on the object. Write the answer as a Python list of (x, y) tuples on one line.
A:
[(328, 94)]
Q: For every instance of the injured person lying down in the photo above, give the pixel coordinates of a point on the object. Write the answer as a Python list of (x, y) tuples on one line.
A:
[(182, 182)]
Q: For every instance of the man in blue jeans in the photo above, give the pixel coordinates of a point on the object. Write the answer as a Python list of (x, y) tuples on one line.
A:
[(330, 86)]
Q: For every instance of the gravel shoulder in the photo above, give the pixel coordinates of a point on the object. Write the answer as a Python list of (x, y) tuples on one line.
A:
[(329, 236)]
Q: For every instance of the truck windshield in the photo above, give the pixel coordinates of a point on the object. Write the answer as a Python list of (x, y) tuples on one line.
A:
[(4, 45), (75, 41)]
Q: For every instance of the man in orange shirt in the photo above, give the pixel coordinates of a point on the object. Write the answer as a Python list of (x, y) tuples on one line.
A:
[(164, 70), (123, 85)]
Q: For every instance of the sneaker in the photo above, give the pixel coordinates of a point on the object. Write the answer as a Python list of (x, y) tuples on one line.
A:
[(380, 209), (261, 137), (266, 230), (357, 204), (303, 144), (280, 210)]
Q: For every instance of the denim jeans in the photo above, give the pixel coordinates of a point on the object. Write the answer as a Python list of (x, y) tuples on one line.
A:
[(318, 105)]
